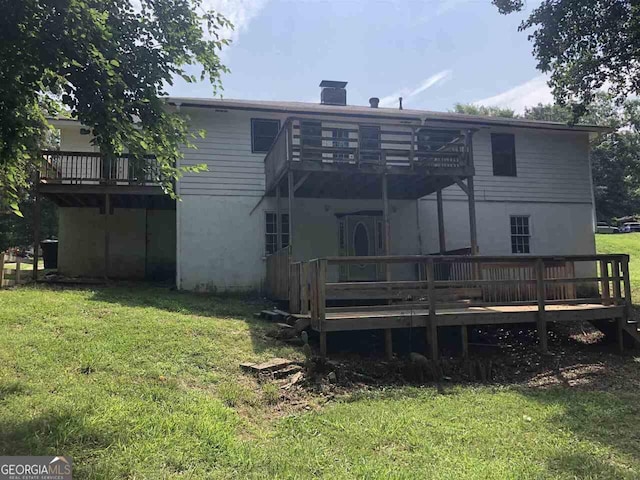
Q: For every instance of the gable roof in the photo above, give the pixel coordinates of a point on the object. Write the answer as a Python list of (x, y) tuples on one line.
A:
[(421, 116)]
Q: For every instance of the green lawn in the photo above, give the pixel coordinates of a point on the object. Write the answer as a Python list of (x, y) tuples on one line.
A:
[(624, 243), (143, 382)]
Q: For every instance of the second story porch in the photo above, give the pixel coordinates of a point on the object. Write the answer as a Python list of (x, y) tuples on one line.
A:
[(82, 179), (345, 159)]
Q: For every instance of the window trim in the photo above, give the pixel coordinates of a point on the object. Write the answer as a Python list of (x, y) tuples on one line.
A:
[(257, 119), (514, 172), (529, 236)]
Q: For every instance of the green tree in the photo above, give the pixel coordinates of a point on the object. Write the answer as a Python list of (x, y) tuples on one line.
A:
[(585, 46), (472, 109), (107, 63)]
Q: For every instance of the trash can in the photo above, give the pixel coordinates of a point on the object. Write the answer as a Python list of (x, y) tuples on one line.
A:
[(50, 253)]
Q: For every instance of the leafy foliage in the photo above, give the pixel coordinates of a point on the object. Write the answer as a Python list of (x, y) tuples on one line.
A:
[(472, 109), (107, 63), (586, 46)]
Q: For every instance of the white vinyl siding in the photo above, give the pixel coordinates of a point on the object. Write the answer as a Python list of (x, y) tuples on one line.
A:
[(551, 167), (233, 170)]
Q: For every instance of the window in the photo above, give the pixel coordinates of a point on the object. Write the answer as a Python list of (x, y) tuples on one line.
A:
[(434, 140), (263, 133), (340, 140), (271, 231), (370, 143), (311, 136), (503, 148), (520, 234)]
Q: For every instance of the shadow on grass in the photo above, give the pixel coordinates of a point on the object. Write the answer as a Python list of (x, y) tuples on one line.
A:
[(210, 306), (606, 418), (57, 433)]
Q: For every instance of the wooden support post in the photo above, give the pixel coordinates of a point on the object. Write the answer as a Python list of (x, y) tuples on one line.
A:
[(615, 274), (604, 273), (542, 320), (36, 232), (321, 298), (291, 197), (323, 344), (1, 269), (621, 322), (387, 224), (278, 219), (107, 208), (627, 288), (464, 335), (304, 287), (472, 216), (388, 344), (432, 327), (18, 266), (441, 235)]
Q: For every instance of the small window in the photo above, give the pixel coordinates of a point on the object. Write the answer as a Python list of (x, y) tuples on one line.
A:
[(520, 234), (503, 149), (342, 235), (271, 231), (263, 133)]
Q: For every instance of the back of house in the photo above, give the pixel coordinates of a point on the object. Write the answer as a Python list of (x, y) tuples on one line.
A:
[(322, 180)]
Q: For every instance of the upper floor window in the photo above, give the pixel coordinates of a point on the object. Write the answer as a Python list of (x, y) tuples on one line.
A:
[(520, 234), (503, 148), (263, 133)]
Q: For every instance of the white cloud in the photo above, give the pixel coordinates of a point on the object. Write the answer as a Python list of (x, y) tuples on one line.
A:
[(517, 98), (238, 12), (406, 93)]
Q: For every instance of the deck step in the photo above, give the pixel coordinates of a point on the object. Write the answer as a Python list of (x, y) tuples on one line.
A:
[(269, 366)]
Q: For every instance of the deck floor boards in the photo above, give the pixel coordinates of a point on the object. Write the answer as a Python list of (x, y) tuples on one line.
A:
[(418, 317)]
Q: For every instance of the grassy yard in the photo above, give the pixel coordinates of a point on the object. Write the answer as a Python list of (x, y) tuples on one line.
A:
[(624, 243), (143, 382)]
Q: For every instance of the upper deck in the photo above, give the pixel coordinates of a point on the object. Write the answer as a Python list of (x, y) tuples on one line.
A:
[(332, 158), (83, 178)]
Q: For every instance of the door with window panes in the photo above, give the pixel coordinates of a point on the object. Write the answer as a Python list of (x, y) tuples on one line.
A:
[(361, 235)]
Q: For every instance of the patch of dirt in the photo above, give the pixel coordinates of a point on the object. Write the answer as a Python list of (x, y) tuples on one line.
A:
[(579, 358)]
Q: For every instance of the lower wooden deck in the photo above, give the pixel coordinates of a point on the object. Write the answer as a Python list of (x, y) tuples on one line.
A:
[(402, 317)]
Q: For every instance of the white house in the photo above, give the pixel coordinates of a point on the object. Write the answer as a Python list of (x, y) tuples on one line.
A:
[(508, 186)]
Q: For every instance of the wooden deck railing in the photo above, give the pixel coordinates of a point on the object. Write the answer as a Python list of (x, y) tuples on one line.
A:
[(11, 277), (86, 168), (492, 280), (312, 142)]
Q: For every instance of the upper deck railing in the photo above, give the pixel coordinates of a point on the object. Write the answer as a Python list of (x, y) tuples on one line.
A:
[(93, 168), (373, 147)]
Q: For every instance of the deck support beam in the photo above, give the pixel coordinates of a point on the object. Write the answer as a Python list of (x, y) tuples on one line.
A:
[(323, 344), (388, 344), (432, 326), (36, 231), (541, 294), (441, 234), (107, 208), (388, 336), (278, 219), (291, 197), (464, 337), (473, 233)]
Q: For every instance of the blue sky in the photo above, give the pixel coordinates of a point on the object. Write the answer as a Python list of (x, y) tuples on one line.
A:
[(433, 53)]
